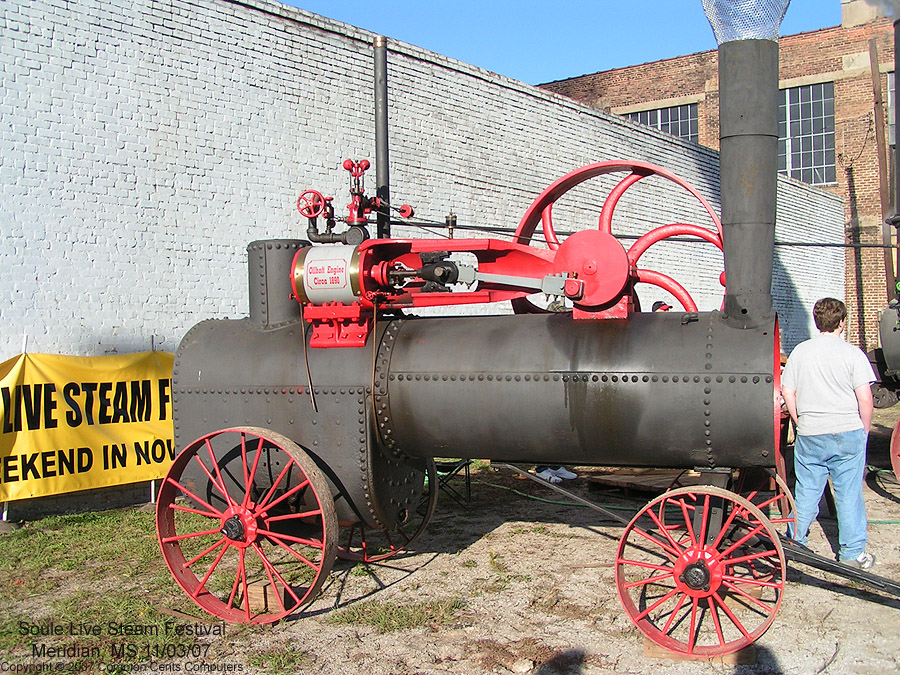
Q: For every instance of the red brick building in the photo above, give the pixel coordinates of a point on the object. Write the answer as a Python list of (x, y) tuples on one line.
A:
[(828, 127)]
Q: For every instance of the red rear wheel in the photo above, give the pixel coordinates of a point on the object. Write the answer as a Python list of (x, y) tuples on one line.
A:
[(247, 525)]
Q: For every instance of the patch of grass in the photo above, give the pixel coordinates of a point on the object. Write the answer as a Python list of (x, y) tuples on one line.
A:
[(496, 563), (279, 660), (76, 542), (10, 635), (388, 617), (469, 564), (100, 570), (502, 576), (361, 570)]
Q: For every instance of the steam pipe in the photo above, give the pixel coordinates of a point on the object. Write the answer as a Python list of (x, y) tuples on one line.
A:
[(382, 169)]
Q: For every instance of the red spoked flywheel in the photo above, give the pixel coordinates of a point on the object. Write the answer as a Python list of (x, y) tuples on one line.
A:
[(617, 270), (247, 525)]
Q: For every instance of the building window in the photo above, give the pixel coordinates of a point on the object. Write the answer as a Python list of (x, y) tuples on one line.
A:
[(680, 120), (806, 133)]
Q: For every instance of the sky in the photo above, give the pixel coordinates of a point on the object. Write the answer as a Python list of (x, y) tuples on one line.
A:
[(538, 41)]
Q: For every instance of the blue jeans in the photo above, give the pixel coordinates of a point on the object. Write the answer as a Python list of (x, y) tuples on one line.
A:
[(843, 457)]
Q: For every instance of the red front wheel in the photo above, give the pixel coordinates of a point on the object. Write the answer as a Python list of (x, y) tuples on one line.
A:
[(247, 525), (705, 581)]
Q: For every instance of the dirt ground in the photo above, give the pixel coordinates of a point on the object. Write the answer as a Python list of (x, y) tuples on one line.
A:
[(526, 579), (536, 579)]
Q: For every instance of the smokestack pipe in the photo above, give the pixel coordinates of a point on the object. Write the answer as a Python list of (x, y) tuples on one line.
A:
[(748, 153), (382, 162), (747, 33), (894, 219)]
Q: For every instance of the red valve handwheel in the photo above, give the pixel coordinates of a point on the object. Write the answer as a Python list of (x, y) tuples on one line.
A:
[(310, 204)]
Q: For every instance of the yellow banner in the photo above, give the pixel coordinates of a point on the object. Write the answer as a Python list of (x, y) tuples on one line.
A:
[(77, 422)]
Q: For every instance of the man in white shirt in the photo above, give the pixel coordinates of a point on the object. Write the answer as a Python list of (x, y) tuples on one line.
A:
[(826, 387)]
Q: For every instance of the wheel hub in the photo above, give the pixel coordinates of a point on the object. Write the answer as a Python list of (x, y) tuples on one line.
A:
[(698, 573), (696, 576), (233, 529)]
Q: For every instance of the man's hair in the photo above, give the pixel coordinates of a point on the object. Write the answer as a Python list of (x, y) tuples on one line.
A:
[(828, 314)]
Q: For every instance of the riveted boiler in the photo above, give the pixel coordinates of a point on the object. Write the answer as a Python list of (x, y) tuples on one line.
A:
[(310, 427)]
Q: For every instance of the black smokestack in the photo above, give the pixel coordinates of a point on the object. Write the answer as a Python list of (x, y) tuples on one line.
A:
[(747, 33), (382, 161)]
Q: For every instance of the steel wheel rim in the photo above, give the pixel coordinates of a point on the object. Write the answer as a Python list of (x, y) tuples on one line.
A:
[(697, 598), (370, 545), (262, 525)]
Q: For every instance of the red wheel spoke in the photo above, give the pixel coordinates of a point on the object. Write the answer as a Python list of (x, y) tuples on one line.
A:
[(677, 547), (179, 486), (689, 525), (289, 516), (747, 581), (270, 568), (725, 528), (650, 566), (294, 553), (692, 635), (668, 549), (771, 553), (650, 580), (294, 490), (234, 589), (205, 553), (743, 540), (244, 467), (190, 535), (246, 501), (221, 483), (721, 603), (704, 521), (188, 509), (213, 481), (243, 571), (715, 619), (674, 613), (210, 571), (763, 606), (260, 507), (272, 583), (656, 604), (298, 540)]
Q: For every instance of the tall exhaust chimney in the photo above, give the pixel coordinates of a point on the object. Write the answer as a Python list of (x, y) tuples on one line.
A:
[(382, 160), (747, 34)]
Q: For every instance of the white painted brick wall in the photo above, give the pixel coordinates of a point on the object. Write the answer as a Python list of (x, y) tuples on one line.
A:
[(144, 144)]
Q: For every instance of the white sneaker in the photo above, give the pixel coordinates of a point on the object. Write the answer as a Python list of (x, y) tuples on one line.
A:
[(563, 472), (549, 476), (865, 561)]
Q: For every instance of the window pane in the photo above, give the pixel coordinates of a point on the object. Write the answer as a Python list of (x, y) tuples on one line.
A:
[(680, 120), (806, 133)]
